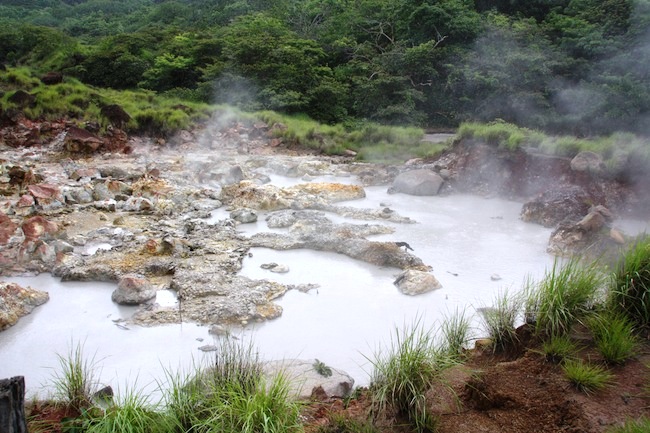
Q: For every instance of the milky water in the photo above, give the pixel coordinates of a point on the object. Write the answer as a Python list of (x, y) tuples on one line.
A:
[(469, 241)]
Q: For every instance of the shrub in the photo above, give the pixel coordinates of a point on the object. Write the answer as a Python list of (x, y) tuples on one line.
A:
[(586, 378), (631, 284)]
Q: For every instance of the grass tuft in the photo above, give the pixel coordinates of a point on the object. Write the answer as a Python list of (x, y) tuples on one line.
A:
[(559, 348), (76, 381), (455, 333), (614, 336), (500, 321), (633, 426), (587, 378)]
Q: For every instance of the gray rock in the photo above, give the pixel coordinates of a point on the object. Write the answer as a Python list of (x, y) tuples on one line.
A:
[(413, 282), (587, 161), (418, 182), (311, 377), (133, 289), (244, 215)]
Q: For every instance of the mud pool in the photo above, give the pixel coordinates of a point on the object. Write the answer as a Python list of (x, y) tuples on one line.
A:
[(476, 246)]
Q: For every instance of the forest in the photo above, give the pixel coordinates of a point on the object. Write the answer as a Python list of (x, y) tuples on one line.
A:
[(576, 67)]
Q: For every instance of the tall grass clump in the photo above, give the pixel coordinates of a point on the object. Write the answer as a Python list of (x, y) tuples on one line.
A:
[(565, 295), (631, 284), (559, 348), (232, 395), (404, 372), (614, 336), (587, 378), (500, 321), (76, 381), (501, 134), (131, 413), (455, 331)]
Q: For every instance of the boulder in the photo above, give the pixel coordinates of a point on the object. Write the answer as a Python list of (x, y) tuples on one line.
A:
[(133, 289), (414, 282), (38, 227), (311, 377), (590, 232), (589, 162), (418, 182), (79, 140), (51, 78), (22, 99)]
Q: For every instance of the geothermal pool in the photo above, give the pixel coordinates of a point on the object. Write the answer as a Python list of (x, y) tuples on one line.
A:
[(467, 240)]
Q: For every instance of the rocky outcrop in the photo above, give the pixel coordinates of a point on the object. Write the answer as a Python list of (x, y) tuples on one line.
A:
[(413, 282), (588, 162), (51, 78), (417, 182), (80, 141), (17, 301), (568, 203)]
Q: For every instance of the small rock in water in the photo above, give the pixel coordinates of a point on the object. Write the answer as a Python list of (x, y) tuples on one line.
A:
[(218, 330), (208, 348), (200, 340), (495, 277)]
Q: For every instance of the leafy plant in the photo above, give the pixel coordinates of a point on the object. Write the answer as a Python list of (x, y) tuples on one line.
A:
[(614, 336), (585, 377)]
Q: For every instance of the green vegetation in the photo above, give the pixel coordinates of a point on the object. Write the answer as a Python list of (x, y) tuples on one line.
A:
[(455, 331), (500, 321), (76, 381), (613, 335), (566, 294), (573, 66), (587, 378), (405, 372), (631, 281), (559, 348), (637, 426)]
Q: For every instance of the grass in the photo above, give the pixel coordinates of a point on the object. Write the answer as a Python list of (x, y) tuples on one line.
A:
[(500, 321), (586, 377), (614, 336), (559, 348), (455, 331), (342, 424), (404, 372), (565, 295), (631, 284), (633, 426), (76, 381)]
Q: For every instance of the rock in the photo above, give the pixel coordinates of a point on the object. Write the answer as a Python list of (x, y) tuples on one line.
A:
[(274, 267), (306, 376), (138, 204), (588, 162), (208, 348), (133, 289), (47, 196), (244, 215), (79, 140), (52, 78), (556, 205), (617, 236), (590, 232), (22, 99), (413, 282), (17, 301), (105, 394), (418, 182), (38, 227), (7, 228), (116, 115)]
